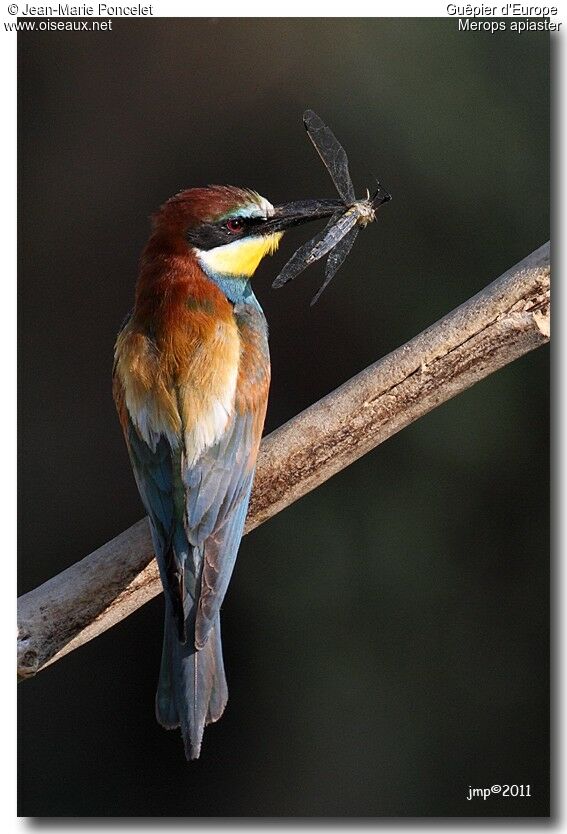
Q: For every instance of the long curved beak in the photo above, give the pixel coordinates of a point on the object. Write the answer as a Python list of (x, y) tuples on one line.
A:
[(300, 211)]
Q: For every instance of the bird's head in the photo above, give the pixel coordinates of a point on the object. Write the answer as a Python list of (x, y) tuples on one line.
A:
[(230, 229)]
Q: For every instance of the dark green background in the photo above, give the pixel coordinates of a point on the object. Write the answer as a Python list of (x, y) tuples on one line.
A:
[(386, 638)]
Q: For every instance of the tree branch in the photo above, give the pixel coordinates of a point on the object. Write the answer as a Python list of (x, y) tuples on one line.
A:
[(505, 320)]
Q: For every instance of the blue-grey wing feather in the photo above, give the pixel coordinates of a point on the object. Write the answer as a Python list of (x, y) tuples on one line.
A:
[(216, 512), (156, 480), (214, 483)]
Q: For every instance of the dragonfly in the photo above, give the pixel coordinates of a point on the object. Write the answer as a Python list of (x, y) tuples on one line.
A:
[(340, 233)]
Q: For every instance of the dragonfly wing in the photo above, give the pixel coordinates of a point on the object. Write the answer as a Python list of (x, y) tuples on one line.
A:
[(335, 260), (332, 153), (303, 256)]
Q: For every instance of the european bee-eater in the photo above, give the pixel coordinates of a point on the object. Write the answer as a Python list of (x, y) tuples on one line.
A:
[(191, 379)]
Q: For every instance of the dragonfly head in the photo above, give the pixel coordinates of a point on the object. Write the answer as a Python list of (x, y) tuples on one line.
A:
[(380, 196)]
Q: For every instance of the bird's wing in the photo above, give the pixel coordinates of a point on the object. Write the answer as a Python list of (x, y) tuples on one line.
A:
[(217, 491), (155, 473)]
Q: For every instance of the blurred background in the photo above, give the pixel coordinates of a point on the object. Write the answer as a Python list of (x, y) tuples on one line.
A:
[(385, 638)]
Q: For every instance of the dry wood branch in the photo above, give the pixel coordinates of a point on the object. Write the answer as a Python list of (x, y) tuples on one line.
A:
[(505, 320)]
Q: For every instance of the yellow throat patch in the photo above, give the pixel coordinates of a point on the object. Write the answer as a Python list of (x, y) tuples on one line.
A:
[(241, 257)]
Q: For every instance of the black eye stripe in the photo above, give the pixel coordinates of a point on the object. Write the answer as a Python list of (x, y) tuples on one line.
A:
[(252, 221), (210, 235), (246, 222)]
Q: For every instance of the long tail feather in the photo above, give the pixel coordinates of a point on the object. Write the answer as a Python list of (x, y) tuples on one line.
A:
[(192, 689), (219, 692)]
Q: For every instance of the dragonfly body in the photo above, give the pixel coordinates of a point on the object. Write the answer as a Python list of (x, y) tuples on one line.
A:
[(360, 214)]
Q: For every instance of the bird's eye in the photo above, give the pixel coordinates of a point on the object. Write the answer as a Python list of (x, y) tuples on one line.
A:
[(235, 224)]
